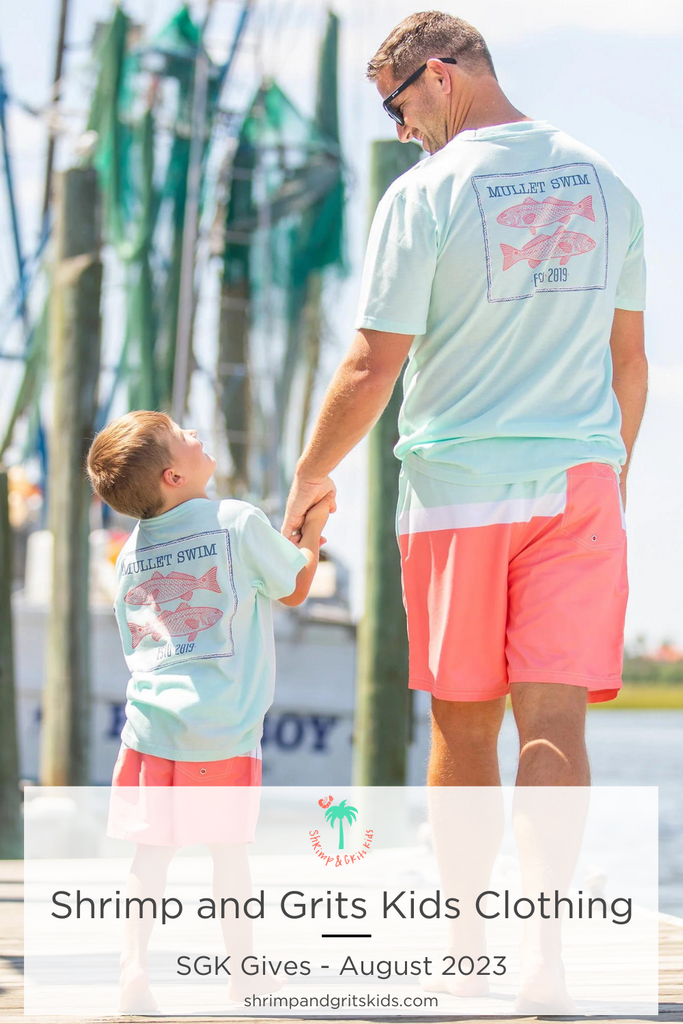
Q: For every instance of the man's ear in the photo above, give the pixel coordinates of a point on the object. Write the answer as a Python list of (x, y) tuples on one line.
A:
[(172, 479), (440, 71)]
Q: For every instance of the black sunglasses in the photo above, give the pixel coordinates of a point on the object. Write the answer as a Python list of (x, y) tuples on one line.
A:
[(396, 115)]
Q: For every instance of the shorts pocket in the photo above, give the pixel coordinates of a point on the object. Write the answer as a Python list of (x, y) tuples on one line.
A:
[(592, 515)]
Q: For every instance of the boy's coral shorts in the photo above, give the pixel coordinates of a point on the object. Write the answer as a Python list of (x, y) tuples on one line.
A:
[(134, 768), (178, 803), (514, 583)]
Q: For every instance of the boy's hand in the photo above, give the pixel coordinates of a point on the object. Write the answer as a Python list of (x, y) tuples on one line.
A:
[(315, 519), (309, 541), (318, 514)]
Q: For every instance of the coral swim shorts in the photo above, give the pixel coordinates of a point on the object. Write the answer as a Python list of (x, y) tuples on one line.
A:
[(521, 582), (178, 803), (134, 768)]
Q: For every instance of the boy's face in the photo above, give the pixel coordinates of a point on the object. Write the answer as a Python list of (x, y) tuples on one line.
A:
[(188, 458)]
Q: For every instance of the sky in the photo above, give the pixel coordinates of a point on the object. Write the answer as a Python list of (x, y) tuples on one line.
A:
[(612, 83)]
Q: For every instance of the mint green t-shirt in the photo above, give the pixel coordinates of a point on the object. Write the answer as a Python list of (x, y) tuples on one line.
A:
[(505, 255), (193, 606)]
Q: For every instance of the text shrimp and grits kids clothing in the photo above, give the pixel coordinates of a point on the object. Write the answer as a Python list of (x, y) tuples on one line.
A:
[(194, 612), (505, 254)]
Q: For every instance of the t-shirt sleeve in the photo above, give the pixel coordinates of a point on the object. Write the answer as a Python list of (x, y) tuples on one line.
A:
[(273, 561), (631, 284), (400, 261)]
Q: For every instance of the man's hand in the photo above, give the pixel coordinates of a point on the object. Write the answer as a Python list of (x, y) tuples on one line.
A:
[(353, 402), (302, 495), (622, 488)]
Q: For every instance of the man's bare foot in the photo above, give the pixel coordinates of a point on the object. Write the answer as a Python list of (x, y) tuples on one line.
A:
[(561, 1006), (542, 987), (135, 996)]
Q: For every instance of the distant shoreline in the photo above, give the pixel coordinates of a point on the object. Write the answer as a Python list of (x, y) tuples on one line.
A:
[(643, 695)]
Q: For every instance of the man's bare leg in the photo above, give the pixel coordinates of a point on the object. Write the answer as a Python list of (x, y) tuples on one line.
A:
[(551, 722), (465, 742), (466, 831)]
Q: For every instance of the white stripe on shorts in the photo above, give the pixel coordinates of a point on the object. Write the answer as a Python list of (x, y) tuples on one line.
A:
[(483, 513)]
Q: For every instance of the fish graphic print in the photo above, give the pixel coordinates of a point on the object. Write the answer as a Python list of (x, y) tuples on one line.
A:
[(159, 589), (562, 245), (185, 620), (532, 215), (523, 255)]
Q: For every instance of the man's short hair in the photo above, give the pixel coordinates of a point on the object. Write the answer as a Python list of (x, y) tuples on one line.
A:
[(126, 460), (430, 34)]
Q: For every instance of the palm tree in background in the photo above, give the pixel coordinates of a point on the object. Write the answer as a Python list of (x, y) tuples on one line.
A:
[(337, 813)]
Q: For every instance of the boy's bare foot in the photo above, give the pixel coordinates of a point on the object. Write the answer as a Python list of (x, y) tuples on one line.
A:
[(135, 996), (465, 988), (462, 985), (241, 987)]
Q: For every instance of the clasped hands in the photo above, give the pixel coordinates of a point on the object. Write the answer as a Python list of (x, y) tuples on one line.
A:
[(304, 493)]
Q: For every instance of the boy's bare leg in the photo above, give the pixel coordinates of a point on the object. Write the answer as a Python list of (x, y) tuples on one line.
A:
[(147, 879), (232, 878), (549, 827), (466, 829)]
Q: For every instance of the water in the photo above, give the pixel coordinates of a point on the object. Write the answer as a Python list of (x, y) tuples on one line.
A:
[(634, 748)]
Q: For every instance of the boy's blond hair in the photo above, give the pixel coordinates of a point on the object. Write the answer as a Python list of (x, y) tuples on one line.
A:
[(126, 460)]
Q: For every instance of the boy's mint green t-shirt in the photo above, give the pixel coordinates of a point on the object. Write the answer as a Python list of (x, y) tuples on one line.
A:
[(193, 607), (505, 254)]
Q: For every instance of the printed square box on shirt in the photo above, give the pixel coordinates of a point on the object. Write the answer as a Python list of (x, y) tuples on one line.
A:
[(180, 623), (545, 230)]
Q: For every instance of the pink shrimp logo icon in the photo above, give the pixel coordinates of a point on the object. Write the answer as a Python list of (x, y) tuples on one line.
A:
[(325, 803), (159, 589), (532, 215), (562, 245), (186, 620)]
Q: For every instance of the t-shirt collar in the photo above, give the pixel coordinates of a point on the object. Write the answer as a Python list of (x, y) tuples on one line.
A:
[(179, 510), (511, 129)]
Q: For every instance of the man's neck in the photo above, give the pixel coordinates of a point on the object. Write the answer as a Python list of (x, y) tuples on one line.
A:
[(482, 106)]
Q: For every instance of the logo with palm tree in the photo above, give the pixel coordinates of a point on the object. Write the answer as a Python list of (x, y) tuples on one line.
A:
[(337, 814)]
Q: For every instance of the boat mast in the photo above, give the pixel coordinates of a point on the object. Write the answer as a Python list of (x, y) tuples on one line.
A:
[(56, 90), (191, 223)]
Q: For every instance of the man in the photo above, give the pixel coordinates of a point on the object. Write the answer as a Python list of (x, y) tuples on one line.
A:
[(508, 268)]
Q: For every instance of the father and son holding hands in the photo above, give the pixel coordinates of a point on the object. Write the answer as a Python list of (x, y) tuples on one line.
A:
[(507, 268)]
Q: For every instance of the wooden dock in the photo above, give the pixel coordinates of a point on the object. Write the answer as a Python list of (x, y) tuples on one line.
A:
[(11, 973)]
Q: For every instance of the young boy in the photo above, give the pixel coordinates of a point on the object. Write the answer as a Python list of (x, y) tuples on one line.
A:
[(193, 605)]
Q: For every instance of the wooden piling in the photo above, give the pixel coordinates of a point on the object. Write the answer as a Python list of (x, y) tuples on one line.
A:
[(74, 371), (11, 841), (382, 697)]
